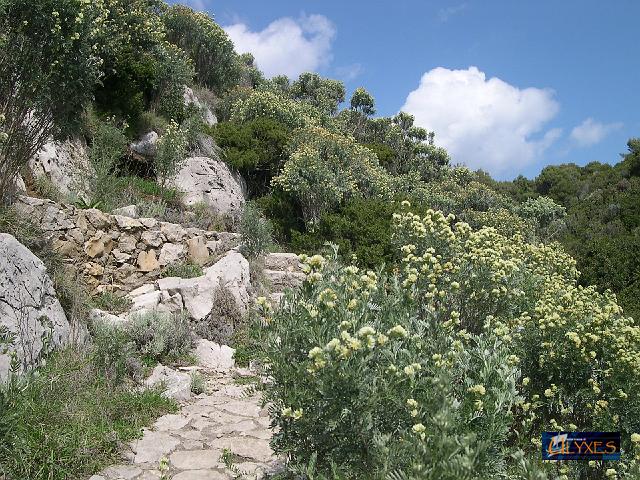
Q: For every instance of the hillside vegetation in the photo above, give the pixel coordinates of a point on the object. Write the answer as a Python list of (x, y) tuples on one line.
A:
[(446, 319)]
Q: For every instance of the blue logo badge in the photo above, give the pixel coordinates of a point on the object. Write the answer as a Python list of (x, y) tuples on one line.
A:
[(581, 445)]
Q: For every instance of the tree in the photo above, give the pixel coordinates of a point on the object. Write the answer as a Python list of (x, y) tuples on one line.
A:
[(323, 93), (47, 73), (362, 101), (325, 168), (207, 44)]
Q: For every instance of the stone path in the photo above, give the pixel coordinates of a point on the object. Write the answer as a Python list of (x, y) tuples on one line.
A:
[(226, 421)]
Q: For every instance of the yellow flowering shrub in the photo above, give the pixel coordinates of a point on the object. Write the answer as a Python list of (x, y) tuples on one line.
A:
[(452, 367), (325, 168)]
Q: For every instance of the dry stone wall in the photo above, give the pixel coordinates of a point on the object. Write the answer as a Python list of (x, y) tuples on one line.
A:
[(119, 253)]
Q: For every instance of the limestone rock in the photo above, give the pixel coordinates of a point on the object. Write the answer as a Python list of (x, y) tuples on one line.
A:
[(147, 261), (210, 181), (129, 211), (177, 385), (127, 223), (30, 313), (213, 356), (172, 232), (65, 164), (190, 98), (198, 251), (153, 446), (231, 272), (282, 261), (153, 238), (195, 459), (280, 280), (147, 145), (171, 253)]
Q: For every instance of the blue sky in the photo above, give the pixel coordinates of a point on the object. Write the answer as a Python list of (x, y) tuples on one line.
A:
[(508, 86)]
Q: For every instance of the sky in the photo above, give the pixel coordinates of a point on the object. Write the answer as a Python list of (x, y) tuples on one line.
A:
[(507, 86)]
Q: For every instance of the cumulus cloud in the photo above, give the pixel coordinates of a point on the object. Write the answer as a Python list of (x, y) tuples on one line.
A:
[(590, 132), (484, 123), (287, 46)]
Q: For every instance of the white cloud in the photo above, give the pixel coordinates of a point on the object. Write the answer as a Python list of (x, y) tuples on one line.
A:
[(484, 123), (590, 132), (444, 14), (287, 46)]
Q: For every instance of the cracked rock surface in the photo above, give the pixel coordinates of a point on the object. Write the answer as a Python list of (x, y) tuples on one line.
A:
[(32, 321)]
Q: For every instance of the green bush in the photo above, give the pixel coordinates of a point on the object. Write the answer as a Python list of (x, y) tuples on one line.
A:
[(206, 43), (161, 337), (452, 367), (108, 146), (256, 232), (256, 149), (121, 351), (67, 421), (183, 270)]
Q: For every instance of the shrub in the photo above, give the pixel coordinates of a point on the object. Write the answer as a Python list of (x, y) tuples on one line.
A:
[(171, 151), (451, 368), (265, 104), (207, 45), (325, 169), (198, 385), (161, 337), (256, 232), (108, 146), (146, 339), (225, 317), (183, 270), (111, 302), (257, 149)]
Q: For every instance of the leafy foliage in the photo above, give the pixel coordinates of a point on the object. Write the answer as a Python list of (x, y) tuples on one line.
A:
[(462, 353), (257, 149), (207, 45)]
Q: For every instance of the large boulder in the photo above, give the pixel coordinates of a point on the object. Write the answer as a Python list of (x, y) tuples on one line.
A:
[(198, 295), (147, 145), (32, 321), (65, 164), (208, 180)]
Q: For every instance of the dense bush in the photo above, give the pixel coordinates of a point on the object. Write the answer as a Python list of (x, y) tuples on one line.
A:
[(325, 168), (452, 367), (108, 146), (207, 45), (256, 232), (601, 225), (257, 149)]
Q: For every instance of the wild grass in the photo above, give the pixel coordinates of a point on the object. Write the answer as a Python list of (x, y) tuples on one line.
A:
[(68, 421)]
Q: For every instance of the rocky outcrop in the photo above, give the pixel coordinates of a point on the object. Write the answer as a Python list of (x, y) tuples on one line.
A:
[(117, 252), (209, 181), (282, 272), (190, 98), (147, 145), (65, 164), (32, 321), (176, 385), (197, 295)]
